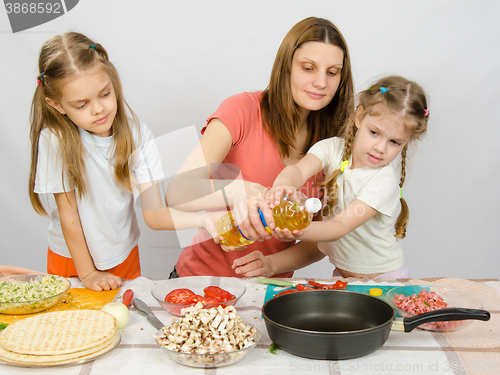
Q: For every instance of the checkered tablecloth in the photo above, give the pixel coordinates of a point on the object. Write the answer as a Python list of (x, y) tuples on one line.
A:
[(475, 350)]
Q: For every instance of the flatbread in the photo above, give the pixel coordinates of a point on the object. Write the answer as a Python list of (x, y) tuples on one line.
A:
[(26, 360), (60, 332)]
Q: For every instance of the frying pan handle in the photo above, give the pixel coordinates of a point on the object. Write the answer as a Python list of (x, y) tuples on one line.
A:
[(445, 315)]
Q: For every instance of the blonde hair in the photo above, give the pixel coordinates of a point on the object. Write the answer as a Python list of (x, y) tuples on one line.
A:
[(61, 57), (280, 114), (403, 98)]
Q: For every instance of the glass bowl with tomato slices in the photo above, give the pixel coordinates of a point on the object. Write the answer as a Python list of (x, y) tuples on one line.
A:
[(410, 300), (175, 294)]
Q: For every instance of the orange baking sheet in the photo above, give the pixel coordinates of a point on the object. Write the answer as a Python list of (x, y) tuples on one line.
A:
[(75, 299)]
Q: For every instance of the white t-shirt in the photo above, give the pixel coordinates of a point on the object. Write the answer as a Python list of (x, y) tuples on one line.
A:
[(106, 210), (372, 247)]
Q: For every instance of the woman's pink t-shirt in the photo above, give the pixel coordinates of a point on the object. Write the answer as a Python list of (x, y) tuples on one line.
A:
[(257, 156)]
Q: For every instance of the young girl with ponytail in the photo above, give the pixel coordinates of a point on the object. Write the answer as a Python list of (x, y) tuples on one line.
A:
[(89, 153), (362, 189)]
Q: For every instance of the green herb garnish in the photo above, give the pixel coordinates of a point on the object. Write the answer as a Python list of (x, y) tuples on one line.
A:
[(274, 349), (3, 326)]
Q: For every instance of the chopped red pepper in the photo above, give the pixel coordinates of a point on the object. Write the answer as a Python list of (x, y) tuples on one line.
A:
[(313, 285), (286, 291), (301, 287), (338, 285), (319, 285)]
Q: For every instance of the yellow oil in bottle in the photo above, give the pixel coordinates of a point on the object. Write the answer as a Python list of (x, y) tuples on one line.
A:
[(288, 214), (227, 228), (291, 215)]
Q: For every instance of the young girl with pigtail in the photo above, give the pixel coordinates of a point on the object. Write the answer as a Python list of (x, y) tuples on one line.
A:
[(362, 189), (89, 153)]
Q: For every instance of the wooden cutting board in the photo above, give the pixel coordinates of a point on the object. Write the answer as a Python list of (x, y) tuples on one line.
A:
[(75, 299)]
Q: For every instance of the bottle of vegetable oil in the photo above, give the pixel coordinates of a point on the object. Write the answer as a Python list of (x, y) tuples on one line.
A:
[(293, 213), (228, 229)]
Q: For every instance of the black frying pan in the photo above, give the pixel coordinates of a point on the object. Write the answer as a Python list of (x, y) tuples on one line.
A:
[(333, 324)]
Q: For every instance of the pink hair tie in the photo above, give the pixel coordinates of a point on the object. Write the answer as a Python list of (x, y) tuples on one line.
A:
[(426, 112), (40, 79)]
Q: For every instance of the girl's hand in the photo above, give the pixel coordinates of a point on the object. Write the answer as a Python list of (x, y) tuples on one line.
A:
[(210, 221), (210, 224), (253, 265), (286, 236), (100, 280), (274, 195)]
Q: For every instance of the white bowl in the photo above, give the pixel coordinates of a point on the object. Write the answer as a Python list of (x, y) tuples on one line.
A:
[(211, 360)]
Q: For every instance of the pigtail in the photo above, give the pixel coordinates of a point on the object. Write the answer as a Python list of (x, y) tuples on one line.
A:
[(404, 215), (35, 130)]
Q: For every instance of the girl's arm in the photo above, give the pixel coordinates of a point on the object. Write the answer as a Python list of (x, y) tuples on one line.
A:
[(351, 217), (72, 230), (192, 188), (294, 176), (159, 217)]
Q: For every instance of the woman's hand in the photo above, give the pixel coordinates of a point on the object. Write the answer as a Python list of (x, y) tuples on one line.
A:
[(246, 214), (100, 280), (253, 265)]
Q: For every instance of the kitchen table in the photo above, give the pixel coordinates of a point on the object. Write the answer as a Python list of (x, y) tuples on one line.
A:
[(474, 350)]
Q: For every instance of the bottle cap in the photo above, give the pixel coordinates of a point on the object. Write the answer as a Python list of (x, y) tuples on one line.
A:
[(313, 205)]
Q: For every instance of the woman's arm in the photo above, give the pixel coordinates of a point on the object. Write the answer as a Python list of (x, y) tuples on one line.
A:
[(72, 230), (295, 257), (351, 217)]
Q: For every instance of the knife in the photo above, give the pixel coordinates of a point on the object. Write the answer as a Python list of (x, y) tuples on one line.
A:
[(143, 308)]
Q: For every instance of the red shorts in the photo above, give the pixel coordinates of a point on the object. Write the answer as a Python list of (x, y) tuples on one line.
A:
[(129, 269)]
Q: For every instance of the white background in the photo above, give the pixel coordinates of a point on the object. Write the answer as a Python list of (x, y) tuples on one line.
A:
[(179, 59)]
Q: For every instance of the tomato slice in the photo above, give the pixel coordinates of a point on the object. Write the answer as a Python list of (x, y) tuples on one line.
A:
[(207, 300), (220, 294), (179, 296), (194, 299)]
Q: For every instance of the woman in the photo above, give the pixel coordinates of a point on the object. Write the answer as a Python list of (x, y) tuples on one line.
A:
[(308, 99)]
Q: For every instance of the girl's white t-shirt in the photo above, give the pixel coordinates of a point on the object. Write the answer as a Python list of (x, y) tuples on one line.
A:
[(372, 247), (106, 210)]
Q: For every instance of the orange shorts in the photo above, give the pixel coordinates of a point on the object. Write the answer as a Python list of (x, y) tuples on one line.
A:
[(129, 269)]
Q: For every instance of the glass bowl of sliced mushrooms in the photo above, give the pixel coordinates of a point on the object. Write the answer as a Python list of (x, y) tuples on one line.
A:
[(208, 338)]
